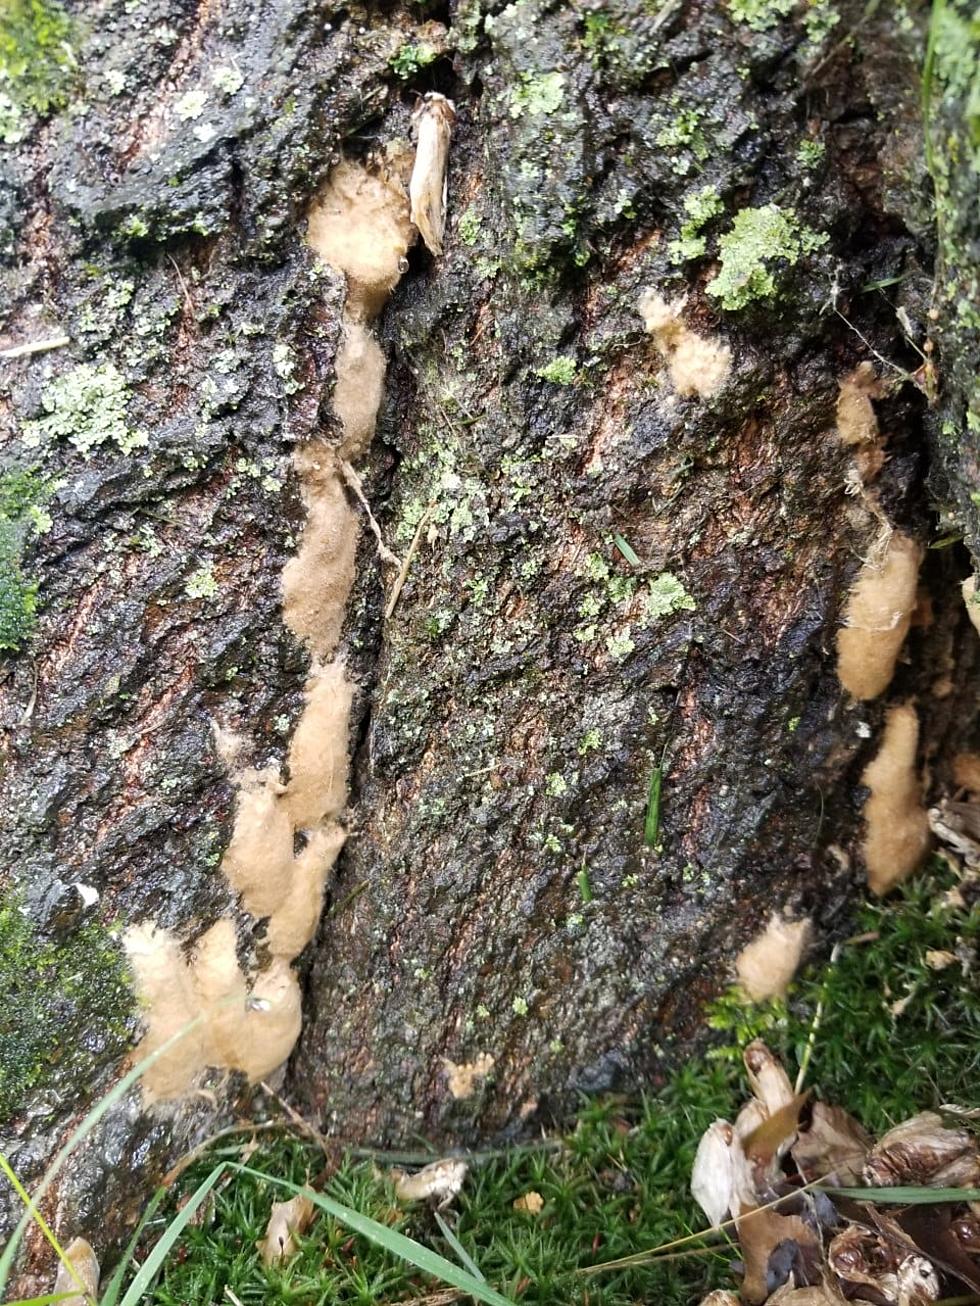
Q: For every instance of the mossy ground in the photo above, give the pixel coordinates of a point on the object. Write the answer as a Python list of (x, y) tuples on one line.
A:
[(619, 1181)]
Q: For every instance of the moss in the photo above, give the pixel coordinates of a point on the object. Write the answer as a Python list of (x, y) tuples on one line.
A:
[(560, 371), (700, 206), (65, 1011), (87, 406), (411, 57), (684, 134), (809, 153), (758, 238), (36, 62), (22, 498), (759, 14)]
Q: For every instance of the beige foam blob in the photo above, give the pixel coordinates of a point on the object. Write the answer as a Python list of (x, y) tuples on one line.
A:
[(258, 860), (856, 420), (357, 394), (220, 992), (877, 616), (317, 580), (164, 984), (896, 822), (697, 364), (360, 225), (272, 1022), (972, 601), (463, 1078), (294, 922), (767, 964), (318, 754)]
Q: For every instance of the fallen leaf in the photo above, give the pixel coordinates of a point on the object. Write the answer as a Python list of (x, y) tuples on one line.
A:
[(721, 1297), (833, 1146), (774, 1246), (441, 1179), (938, 959), (287, 1219), (922, 1151), (767, 1078), (712, 1177), (947, 1241), (866, 1264), (772, 1137), (86, 1266), (531, 1203)]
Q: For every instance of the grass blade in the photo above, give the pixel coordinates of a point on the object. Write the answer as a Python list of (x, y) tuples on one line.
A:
[(42, 1301), (462, 1255), (422, 1257), (148, 1270), (651, 826), (42, 1224), (916, 1196), (79, 1136), (111, 1294), (627, 550)]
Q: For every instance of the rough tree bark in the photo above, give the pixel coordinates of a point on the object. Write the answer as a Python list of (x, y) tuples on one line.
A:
[(628, 554)]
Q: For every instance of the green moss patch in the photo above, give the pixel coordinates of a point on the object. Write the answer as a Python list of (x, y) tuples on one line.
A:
[(65, 1010), (36, 63), (22, 514)]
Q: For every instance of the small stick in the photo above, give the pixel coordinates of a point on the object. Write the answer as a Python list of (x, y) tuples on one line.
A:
[(302, 1125), (355, 483), (400, 579), (36, 347), (180, 277)]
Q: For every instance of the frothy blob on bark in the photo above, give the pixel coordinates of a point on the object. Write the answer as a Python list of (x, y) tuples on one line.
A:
[(766, 965), (462, 1079), (294, 922), (360, 225), (359, 388), (877, 616), (856, 420), (318, 755), (966, 771), (896, 822), (697, 364), (317, 580), (258, 859)]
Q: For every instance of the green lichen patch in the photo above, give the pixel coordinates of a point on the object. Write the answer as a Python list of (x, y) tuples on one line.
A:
[(667, 595), (65, 1011), (760, 239), (36, 62), (413, 56), (760, 14), (700, 207), (87, 406), (537, 94), (22, 514)]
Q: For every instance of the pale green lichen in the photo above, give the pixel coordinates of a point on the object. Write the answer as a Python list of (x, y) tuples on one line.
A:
[(555, 784), (758, 238), (411, 57), (201, 584), (227, 79), (809, 153), (684, 133), (665, 595), (560, 371), (700, 207), (190, 105), (537, 94), (519, 1006), (468, 228), (760, 14), (87, 406)]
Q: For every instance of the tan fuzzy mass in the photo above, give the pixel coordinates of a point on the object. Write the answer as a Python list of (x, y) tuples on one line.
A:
[(877, 617), (896, 821), (359, 388), (698, 365), (462, 1079), (316, 582), (360, 226), (856, 420), (318, 756), (258, 859), (972, 600), (169, 1006), (966, 771), (766, 966), (294, 921)]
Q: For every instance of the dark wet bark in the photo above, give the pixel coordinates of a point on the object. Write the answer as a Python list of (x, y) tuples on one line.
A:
[(495, 896)]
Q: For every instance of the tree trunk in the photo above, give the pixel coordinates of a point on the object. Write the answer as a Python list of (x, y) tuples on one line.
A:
[(654, 411)]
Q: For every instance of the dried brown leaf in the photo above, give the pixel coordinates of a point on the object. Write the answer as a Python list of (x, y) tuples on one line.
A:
[(922, 1151), (833, 1145), (441, 1180), (767, 1078), (286, 1220), (712, 1176), (761, 1233)]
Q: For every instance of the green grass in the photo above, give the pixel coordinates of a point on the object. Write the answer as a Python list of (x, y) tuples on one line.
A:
[(618, 1183)]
